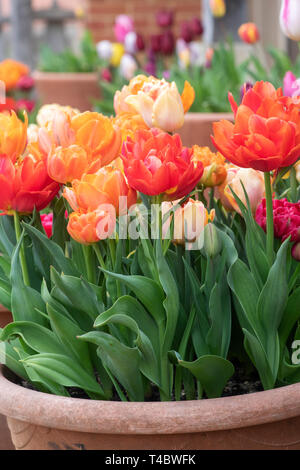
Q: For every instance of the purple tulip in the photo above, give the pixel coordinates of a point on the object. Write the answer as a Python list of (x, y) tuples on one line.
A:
[(165, 18), (167, 43), (140, 43), (155, 43), (150, 68), (197, 26), (186, 32)]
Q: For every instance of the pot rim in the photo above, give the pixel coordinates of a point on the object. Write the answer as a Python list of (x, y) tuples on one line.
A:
[(107, 417), (65, 76)]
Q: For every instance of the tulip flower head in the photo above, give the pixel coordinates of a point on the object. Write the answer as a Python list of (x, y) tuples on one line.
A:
[(266, 133), (13, 135), (11, 72), (240, 180), (218, 8), (128, 66), (156, 163), (107, 186), (289, 19), (123, 25), (128, 123), (158, 102), (118, 51), (25, 185), (291, 85), (189, 220), (90, 227), (47, 223), (214, 166), (286, 221), (249, 33), (104, 50)]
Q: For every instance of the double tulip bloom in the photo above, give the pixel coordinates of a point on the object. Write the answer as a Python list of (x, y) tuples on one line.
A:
[(157, 101), (25, 185), (266, 133), (79, 145), (156, 163), (107, 186)]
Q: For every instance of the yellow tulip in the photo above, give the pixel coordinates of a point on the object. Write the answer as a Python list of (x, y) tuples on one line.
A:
[(117, 54)]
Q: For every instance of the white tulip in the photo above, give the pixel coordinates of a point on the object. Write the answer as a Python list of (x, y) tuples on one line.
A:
[(290, 19)]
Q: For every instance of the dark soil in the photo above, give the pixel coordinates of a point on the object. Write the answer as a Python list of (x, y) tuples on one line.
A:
[(241, 383)]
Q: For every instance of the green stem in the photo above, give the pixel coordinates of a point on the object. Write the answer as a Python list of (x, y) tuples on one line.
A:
[(294, 278), (294, 185), (99, 256), (89, 262), (22, 250), (270, 221)]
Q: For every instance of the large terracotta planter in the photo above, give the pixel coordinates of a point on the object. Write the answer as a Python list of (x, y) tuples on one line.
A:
[(263, 420), (5, 439), (198, 128), (68, 89)]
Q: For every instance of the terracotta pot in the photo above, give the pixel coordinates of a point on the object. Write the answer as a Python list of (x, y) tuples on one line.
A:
[(198, 128), (263, 420), (5, 439), (73, 89)]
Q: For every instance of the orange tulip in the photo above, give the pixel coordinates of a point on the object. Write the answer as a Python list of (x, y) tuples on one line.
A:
[(67, 163), (266, 133), (11, 71), (128, 123), (214, 166), (249, 33), (25, 185), (104, 187), (90, 227), (13, 135), (189, 220), (97, 134)]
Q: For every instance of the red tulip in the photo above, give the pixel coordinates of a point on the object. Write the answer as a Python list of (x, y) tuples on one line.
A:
[(155, 42), (25, 185), (156, 163), (186, 32)]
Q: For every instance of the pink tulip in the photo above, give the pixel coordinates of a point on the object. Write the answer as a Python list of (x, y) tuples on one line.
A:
[(164, 18), (47, 223), (27, 105), (25, 83), (123, 25), (291, 86)]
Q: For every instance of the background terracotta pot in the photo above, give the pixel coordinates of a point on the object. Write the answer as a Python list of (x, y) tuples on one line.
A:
[(69, 89), (263, 420), (5, 439), (198, 128)]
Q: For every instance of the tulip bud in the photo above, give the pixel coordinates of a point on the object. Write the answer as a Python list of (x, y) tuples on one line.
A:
[(128, 66), (140, 43), (289, 19), (249, 33), (212, 241), (197, 26), (167, 43), (186, 32), (130, 42), (123, 25), (155, 41), (104, 49), (218, 8), (296, 251), (164, 18)]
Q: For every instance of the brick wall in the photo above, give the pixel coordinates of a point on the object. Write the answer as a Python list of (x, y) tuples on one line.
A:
[(101, 14)]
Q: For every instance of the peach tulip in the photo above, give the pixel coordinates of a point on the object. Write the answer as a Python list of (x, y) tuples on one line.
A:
[(189, 220), (253, 182), (67, 163), (90, 227), (106, 186)]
